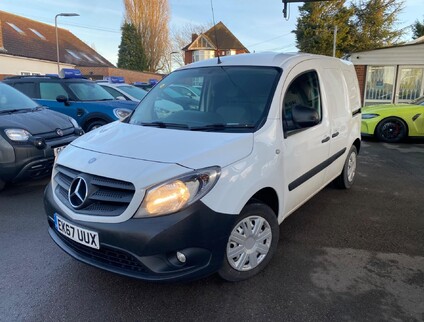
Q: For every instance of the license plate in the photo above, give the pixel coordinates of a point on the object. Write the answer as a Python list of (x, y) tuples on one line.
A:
[(80, 235), (57, 150)]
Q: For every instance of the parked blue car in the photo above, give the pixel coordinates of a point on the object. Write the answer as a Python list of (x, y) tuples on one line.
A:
[(71, 94)]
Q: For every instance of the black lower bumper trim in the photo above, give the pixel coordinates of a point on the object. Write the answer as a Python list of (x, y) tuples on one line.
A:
[(146, 248)]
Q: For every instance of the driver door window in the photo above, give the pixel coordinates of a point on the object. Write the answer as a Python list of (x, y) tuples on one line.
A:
[(303, 91)]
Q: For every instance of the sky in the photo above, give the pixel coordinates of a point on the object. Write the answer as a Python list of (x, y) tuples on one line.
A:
[(258, 24)]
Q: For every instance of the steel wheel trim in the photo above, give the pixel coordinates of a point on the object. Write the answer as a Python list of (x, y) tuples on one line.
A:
[(351, 167), (249, 243)]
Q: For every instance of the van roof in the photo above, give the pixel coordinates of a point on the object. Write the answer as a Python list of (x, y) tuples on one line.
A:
[(260, 59)]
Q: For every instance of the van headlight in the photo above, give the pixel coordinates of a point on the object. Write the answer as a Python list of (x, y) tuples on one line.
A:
[(178, 193)]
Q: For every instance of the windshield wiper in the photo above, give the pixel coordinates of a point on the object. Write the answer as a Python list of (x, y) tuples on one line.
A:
[(38, 108), (165, 125), (221, 126), (16, 110)]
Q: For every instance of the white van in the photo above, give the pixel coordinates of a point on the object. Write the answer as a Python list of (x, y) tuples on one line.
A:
[(188, 186)]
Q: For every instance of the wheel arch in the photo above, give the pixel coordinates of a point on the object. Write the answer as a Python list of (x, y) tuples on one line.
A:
[(267, 196)]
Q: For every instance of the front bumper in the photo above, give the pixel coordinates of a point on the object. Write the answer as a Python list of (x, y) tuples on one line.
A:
[(146, 248), (25, 161)]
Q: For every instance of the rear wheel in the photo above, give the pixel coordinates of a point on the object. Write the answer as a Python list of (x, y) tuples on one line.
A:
[(251, 244), (391, 129), (346, 179)]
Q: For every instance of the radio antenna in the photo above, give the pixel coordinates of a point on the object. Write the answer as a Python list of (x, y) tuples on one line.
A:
[(216, 37)]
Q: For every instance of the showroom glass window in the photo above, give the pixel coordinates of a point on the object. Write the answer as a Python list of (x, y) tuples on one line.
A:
[(380, 84)]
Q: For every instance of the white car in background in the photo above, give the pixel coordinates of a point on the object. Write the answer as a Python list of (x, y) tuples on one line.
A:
[(122, 91)]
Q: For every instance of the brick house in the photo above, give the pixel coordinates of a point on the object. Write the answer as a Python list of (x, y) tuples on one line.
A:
[(216, 41), (28, 47), (392, 74)]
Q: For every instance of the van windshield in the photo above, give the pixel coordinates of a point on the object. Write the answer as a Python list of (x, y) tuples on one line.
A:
[(233, 98)]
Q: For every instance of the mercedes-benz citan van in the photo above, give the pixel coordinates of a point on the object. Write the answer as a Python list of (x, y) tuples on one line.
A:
[(188, 186)]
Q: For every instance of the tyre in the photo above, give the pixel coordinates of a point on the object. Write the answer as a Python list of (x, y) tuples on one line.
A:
[(2, 184), (346, 179), (94, 125), (392, 130), (251, 244)]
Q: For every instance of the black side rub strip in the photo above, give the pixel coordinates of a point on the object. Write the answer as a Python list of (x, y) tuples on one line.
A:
[(356, 112), (305, 177)]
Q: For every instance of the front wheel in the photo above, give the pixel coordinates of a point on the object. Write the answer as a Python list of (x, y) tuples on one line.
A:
[(251, 244), (391, 130), (346, 179)]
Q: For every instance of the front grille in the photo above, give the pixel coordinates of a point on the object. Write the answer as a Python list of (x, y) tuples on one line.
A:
[(53, 139), (106, 255), (106, 197)]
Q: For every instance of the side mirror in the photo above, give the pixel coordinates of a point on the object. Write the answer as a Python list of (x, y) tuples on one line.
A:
[(63, 99), (304, 116)]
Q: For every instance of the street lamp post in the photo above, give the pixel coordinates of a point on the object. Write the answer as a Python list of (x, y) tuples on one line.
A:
[(57, 37)]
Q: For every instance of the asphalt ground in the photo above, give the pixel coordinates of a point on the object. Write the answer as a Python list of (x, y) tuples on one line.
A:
[(354, 255)]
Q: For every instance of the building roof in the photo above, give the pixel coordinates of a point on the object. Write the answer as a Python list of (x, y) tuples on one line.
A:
[(23, 37), (217, 37)]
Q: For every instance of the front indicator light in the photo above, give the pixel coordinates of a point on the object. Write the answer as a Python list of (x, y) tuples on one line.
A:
[(178, 193)]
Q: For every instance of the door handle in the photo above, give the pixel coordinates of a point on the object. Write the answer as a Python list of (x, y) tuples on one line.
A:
[(334, 134), (326, 139)]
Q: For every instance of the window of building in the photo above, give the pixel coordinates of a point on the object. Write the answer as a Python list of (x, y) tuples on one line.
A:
[(86, 57), (379, 87), (199, 55), (37, 33), (410, 82), (73, 54), (49, 91), (16, 28)]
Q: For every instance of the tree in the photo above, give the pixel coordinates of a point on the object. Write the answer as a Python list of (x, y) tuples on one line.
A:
[(417, 29), (363, 25), (181, 37), (375, 22), (315, 27), (131, 53), (151, 18)]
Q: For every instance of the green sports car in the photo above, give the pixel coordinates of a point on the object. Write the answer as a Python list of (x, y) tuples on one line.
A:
[(394, 122)]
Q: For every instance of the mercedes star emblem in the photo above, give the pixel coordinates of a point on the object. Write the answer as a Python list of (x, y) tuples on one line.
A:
[(78, 192)]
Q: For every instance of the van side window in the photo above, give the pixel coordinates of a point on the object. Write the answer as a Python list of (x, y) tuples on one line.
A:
[(303, 91)]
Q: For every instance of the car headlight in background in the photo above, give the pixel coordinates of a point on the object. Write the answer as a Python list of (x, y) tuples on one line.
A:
[(178, 193), (121, 113), (17, 135), (369, 116), (74, 123)]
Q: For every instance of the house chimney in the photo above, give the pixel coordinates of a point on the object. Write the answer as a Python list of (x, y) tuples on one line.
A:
[(194, 37)]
